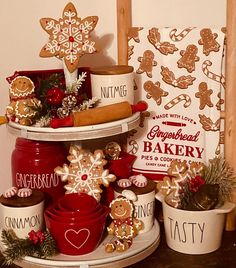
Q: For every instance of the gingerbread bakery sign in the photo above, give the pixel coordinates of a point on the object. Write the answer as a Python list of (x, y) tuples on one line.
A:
[(179, 73)]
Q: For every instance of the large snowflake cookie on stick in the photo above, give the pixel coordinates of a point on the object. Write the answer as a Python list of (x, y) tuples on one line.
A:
[(85, 173), (69, 38)]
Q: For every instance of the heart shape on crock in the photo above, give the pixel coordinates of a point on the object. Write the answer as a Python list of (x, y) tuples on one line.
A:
[(77, 238)]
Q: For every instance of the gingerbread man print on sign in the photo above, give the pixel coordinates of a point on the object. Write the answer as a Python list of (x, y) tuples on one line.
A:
[(208, 41), (154, 91), (146, 63), (204, 94), (188, 59)]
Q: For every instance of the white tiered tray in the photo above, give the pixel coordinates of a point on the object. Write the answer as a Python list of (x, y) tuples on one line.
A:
[(75, 133), (143, 245)]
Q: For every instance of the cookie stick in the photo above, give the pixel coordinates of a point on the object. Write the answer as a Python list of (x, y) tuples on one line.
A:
[(99, 115)]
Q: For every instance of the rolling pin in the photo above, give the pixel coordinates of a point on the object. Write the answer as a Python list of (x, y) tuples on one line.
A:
[(99, 115)]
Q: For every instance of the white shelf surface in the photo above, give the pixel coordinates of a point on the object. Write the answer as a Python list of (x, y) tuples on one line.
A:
[(143, 245), (75, 133)]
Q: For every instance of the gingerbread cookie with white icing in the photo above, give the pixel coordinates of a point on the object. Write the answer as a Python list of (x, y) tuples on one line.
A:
[(24, 106), (144, 190), (123, 226)]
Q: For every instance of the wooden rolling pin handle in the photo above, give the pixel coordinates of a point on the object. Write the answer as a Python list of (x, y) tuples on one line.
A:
[(62, 122), (141, 106)]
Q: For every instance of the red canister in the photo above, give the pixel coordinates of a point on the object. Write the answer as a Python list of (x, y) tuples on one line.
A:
[(33, 164)]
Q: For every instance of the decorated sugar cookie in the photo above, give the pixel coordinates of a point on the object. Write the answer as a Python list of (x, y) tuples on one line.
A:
[(124, 226), (85, 173), (69, 37), (179, 173), (24, 106)]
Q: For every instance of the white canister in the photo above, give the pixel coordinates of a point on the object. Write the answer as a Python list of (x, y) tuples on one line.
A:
[(112, 84), (22, 219), (194, 232), (144, 205)]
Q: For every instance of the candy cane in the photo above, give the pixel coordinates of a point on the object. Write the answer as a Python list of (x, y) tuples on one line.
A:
[(178, 37), (211, 75), (134, 148), (24, 192), (178, 99), (10, 192)]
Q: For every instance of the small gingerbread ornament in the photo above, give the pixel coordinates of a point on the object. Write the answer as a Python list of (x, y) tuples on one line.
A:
[(123, 226), (154, 91), (146, 63), (208, 41), (188, 59), (85, 173), (24, 106)]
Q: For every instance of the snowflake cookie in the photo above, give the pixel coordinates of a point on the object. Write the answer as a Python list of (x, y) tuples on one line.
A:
[(69, 37), (85, 172)]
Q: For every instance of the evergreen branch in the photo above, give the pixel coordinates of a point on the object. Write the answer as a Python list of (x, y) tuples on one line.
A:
[(219, 172), (17, 248)]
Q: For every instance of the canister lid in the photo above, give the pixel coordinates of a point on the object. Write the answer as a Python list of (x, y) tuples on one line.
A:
[(15, 201), (112, 69)]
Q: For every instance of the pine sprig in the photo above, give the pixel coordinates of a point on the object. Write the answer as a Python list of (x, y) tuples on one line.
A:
[(219, 172), (87, 104), (48, 248), (17, 248), (77, 84)]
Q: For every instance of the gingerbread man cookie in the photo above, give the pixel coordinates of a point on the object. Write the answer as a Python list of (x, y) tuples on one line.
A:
[(204, 94), (208, 40), (123, 226), (24, 106), (146, 63), (188, 59), (154, 91)]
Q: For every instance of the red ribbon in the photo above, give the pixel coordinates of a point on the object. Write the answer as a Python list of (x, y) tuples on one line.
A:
[(128, 221), (31, 96)]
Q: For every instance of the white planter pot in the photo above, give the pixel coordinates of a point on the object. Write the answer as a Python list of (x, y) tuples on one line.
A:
[(194, 232), (144, 208)]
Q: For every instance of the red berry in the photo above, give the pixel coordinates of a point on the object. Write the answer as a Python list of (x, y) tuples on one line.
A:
[(55, 96)]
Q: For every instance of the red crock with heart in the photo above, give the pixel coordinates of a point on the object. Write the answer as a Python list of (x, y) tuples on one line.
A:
[(33, 164), (75, 231)]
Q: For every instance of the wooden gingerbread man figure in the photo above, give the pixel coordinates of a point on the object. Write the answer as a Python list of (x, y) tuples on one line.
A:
[(124, 226), (208, 40), (154, 91), (204, 94), (188, 59), (146, 63)]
